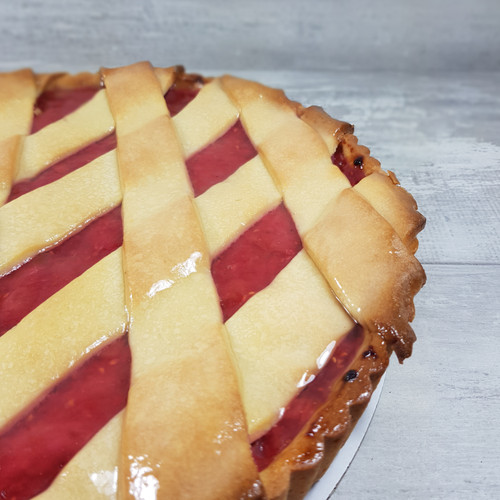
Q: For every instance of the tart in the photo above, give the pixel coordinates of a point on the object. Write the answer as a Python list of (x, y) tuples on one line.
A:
[(201, 283)]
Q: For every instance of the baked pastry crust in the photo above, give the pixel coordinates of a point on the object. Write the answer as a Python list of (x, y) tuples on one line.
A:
[(374, 276)]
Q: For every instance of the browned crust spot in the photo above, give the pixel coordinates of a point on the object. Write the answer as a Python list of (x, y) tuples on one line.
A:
[(189, 80), (331, 130), (356, 153), (340, 135)]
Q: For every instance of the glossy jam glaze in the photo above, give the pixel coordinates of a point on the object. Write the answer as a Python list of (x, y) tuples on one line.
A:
[(41, 441), (300, 410), (254, 259), (353, 170), (35, 281)]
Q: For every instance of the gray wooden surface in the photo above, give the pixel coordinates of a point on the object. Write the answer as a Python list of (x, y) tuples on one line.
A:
[(424, 35), (421, 82)]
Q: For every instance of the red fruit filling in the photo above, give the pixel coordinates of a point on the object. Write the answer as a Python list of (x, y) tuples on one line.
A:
[(177, 98), (220, 159), (303, 406), (41, 441), (353, 170), (27, 287), (254, 259)]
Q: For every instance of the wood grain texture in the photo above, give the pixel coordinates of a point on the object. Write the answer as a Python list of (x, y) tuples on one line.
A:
[(435, 431), (281, 34)]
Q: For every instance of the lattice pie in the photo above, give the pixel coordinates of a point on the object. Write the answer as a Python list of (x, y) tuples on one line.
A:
[(200, 284)]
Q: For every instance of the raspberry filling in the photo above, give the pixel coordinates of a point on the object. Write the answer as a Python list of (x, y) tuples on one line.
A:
[(64, 167), (220, 159), (300, 410), (177, 98), (41, 441), (52, 105), (27, 287), (254, 259), (351, 168), (38, 443)]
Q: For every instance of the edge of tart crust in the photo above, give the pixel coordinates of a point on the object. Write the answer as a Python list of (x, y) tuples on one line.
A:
[(295, 469), (306, 459), (397, 206)]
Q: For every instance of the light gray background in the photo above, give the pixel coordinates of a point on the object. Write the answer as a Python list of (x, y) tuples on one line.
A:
[(424, 35), (421, 81)]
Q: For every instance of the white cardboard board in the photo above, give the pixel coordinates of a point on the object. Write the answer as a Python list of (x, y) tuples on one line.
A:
[(325, 487)]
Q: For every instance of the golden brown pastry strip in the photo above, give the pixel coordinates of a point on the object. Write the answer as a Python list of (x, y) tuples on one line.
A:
[(43, 334), (205, 118), (230, 207), (176, 334), (42, 218), (305, 174), (365, 262), (17, 98), (395, 204), (368, 267)]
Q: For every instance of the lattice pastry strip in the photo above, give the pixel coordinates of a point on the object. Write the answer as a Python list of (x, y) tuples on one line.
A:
[(394, 204), (385, 270), (42, 336), (351, 267), (205, 118), (231, 206), (331, 131), (93, 472), (42, 218), (176, 333), (89, 123), (17, 97), (267, 337)]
